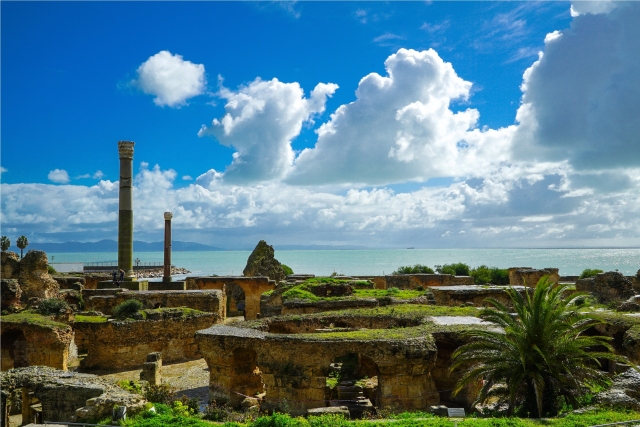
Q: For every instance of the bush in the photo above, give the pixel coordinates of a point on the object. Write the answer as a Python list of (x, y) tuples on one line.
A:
[(458, 269), (161, 393), (127, 308), (483, 274), (588, 272), (287, 269), (131, 386), (416, 269), (51, 270), (51, 306)]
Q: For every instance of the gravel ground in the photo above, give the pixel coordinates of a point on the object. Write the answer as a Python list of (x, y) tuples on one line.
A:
[(187, 378)]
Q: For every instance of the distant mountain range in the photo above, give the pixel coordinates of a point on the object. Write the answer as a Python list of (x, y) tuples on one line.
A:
[(112, 246)]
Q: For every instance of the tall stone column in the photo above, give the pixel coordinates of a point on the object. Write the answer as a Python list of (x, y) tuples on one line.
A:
[(125, 219), (167, 246)]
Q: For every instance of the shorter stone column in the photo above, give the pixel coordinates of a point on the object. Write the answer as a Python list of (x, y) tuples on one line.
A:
[(151, 369), (167, 246)]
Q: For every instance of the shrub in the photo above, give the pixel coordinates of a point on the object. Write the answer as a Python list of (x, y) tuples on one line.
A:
[(161, 393), (458, 269), (416, 269), (51, 270), (287, 269), (51, 306), (483, 274), (588, 272), (127, 308), (131, 386)]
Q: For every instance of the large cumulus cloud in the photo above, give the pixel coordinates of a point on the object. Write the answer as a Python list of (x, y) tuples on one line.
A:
[(261, 120), (401, 127), (582, 97)]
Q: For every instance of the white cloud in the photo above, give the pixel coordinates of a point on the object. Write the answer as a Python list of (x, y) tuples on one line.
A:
[(170, 79), (97, 175), (187, 178), (582, 97), (401, 128), (59, 176), (592, 7), (260, 122), (3, 169)]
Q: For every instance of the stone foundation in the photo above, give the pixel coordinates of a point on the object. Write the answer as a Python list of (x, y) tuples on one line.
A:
[(476, 294)]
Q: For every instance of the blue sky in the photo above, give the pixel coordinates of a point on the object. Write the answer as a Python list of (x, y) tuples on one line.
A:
[(378, 124)]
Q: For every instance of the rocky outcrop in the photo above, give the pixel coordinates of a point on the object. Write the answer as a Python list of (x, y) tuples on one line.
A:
[(611, 286), (524, 276), (68, 396), (624, 392), (631, 344), (11, 294), (34, 278), (262, 262), (10, 265), (631, 305)]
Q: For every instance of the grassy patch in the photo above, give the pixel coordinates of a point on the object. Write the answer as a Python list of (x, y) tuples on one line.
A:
[(90, 319), (393, 292), (32, 318)]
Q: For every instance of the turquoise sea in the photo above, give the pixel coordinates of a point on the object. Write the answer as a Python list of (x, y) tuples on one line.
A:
[(383, 261)]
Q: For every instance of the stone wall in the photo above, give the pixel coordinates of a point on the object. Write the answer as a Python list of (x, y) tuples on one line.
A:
[(294, 368), (125, 344), (476, 294), (26, 344), (91, 280), (253, 287), (210, 301), (70, 282), (521, 276), (412, 281), (306, 307)]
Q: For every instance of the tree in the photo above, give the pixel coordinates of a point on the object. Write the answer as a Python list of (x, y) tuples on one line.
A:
[(540, 352), (22, 243), (6, 243)]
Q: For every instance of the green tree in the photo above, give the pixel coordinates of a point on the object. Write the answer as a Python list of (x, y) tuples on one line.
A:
[(540, 352), (22, 243), (6, 243)]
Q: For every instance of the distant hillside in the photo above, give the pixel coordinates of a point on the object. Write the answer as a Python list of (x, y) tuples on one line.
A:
[(112, 246)]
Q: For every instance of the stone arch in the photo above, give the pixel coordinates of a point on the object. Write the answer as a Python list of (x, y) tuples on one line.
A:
[(236, 300), (15, 352)]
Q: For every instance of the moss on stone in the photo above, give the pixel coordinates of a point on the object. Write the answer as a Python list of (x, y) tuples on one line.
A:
[(79, 318), (33, 318)]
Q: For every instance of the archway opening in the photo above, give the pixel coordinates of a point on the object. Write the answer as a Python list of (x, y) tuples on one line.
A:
[(14, 350), (236, 300), (352, 381)]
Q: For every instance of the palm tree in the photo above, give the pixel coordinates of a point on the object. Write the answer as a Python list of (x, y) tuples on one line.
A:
[(538, 354), (22, 243), (5, 243)]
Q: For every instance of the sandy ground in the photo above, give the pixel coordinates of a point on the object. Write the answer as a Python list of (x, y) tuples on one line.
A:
[(187, 378)]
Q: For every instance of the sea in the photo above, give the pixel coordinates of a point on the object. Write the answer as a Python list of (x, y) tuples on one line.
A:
[(374, 262)]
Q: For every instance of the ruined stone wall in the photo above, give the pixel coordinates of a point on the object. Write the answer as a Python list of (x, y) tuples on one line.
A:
[(309, 325), (30, 344), (306, 307), (253, 287), (521, 276), (70, 282), (210, 301), (607, 287), (125, 344), (91, 280), (11, 294), (476, 295), (34, 278), (294, 369), (412, 281), (10, 265)]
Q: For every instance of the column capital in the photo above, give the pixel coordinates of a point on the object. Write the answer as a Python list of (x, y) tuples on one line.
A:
[(125, 148), (168, 216)]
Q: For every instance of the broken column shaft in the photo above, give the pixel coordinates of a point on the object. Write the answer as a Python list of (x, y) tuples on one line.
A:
[(167, 246), (125, 218)]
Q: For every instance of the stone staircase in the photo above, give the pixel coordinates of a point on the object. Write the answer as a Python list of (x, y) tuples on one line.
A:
[(351, 396)]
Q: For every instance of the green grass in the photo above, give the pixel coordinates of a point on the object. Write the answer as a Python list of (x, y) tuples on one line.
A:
[(376, 293), (33, 318), (170, 417), (90, 319)]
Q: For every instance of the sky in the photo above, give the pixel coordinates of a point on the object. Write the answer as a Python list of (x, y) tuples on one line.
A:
[(375, 124)]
